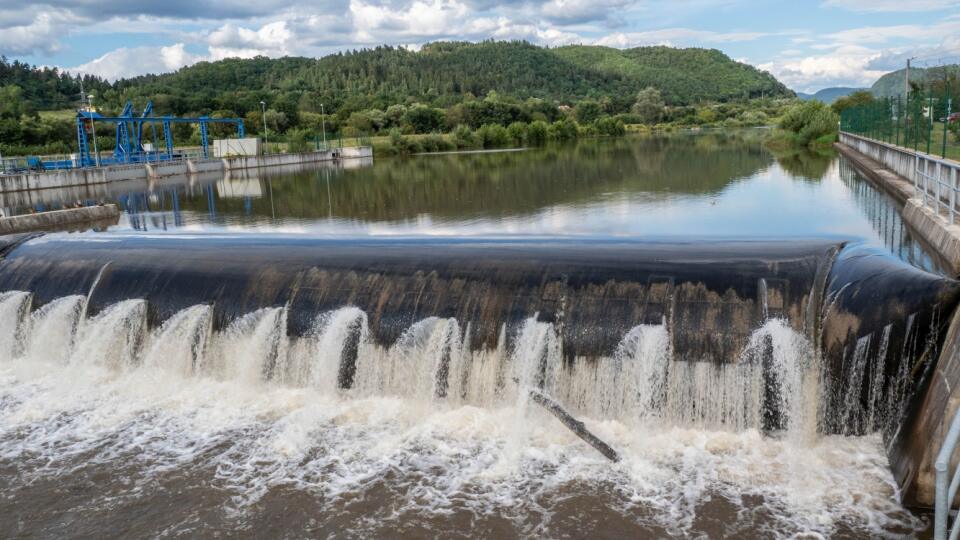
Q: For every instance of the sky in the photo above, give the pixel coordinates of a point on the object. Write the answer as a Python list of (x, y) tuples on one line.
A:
[(807, 45)]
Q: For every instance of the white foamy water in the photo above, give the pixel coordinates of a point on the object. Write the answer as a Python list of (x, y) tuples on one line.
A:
[(221, 429)]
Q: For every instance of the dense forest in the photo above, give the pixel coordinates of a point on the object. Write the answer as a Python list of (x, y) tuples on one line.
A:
[(45, 88), (436, 89), (440, 74)]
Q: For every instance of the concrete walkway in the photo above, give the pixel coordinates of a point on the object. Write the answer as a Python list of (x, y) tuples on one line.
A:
[(935, 229)]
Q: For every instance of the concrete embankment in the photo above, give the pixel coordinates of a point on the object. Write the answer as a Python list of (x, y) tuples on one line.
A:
[(67, 219), (926, 186), (146, 171)]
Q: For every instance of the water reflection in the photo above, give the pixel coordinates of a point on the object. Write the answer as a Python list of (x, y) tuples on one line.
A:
[(883, 213), (700, 184)]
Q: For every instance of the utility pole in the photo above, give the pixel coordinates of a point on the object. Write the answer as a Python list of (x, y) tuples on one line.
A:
[(323, 126), (266, 140), (906, 79), (93, 126)]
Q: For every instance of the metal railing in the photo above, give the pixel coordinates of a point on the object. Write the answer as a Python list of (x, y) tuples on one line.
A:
[(24, 164), (926, 120), (936, 183), (945, 493)]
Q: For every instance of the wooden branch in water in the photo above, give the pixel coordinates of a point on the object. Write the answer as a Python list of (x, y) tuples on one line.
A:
[(576, 426)]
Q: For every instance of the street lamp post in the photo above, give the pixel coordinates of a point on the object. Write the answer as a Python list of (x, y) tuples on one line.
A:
[(93, 126), (266, 134), (323, 125)]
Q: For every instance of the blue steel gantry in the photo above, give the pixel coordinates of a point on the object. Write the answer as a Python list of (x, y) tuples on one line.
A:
[(129, 136)]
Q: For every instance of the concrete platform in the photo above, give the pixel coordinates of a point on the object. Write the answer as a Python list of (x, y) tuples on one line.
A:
[(68, 219), (147, 171)]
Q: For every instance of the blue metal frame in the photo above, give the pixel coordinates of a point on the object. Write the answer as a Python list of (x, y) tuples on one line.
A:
[(129, 149)]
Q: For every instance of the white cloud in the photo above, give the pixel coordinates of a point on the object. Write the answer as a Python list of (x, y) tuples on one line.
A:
[(581, 11), (421, 18), (272, 39), (676, 35), (25, 33), (128, 62), (845, 66)]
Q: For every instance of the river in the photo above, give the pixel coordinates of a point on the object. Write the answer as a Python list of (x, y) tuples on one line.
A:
[(109, 428)]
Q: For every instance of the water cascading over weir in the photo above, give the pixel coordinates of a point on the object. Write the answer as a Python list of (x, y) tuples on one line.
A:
[(793, 338)]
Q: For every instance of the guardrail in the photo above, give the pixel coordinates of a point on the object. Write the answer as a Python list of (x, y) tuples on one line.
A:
[(936, 182), (945, 493)]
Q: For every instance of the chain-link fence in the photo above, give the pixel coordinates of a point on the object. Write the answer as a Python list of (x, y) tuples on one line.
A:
[(927, 120)]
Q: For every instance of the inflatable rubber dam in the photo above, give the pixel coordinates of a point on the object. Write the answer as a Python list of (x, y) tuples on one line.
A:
[(793, 338)]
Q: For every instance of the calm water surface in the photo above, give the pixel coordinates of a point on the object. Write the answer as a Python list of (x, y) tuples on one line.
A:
[(90, 451), (709, 184)]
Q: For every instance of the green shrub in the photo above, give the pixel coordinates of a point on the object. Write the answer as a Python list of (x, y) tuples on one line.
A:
[(609, 126), (562, 130), (630, 118), (403, 145), (435, 143), (810, 121), (463, 137), (298, 141), (492, 136), (518, 133), (537, 132)]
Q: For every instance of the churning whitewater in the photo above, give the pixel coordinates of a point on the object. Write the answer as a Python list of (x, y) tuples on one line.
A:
[(333, 433)]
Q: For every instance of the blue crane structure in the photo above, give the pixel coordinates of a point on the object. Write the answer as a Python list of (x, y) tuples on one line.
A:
[(129, 137)]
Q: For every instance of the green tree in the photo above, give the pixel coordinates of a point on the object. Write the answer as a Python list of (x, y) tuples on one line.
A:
[(649, 105), (360, 122), (463, 137), (588, 110), (518, 133), (277, 121), (423, 119), (856, 99), (537, 132), (12, 105), (809, 121), (492, 136)]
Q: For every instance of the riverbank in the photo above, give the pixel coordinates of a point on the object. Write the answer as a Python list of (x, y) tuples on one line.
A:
[(33, 180), (465, 140)]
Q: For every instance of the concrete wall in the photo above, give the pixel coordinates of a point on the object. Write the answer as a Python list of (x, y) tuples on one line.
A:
[(894, 169), (931, 422), (905, 163), (249, 146), (139, 171), (201, 166), (59, 219), (166, 168)]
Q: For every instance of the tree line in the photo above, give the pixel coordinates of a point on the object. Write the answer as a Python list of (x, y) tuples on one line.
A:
[(386, 89)]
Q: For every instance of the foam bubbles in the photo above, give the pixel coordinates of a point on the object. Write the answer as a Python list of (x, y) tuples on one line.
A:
[(224, 429)]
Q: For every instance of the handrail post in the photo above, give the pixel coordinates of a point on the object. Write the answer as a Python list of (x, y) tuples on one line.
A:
[(953, 195), (942, 466)]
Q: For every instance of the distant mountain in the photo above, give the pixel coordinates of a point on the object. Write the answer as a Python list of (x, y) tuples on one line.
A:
[(892, 84), (829, 95)]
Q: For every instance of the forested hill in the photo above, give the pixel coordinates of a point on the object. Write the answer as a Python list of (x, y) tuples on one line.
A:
[(892, 84), (440, 74), (46, 88), (683, 76)]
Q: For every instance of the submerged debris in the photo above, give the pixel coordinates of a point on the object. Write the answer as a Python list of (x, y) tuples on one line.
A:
[(576, 426)]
